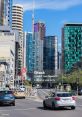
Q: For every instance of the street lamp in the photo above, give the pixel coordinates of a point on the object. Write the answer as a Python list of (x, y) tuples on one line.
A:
[(77, 81)]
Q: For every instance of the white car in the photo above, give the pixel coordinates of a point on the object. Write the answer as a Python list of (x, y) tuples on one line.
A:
[(59, 99), (22, 88)]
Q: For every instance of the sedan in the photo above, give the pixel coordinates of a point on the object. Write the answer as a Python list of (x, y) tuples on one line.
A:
[(59, 99), (7, 97), (19, 94)]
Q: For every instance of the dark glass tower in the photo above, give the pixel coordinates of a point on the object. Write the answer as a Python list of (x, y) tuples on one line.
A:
[(50, 65)]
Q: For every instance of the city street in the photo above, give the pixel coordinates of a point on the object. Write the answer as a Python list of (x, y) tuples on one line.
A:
[(34, 108)]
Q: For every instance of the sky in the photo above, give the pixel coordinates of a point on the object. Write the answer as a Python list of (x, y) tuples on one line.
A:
[(54, 13)]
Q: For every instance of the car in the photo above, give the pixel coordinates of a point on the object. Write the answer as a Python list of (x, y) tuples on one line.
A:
[(80, 92), (19, 94), (7, 97), (59, 99), (22, 88)]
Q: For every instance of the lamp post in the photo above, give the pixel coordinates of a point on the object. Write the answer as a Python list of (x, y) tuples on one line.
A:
[(77, 81)]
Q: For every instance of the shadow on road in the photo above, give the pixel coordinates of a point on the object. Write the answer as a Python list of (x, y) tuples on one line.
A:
[(57, 109)]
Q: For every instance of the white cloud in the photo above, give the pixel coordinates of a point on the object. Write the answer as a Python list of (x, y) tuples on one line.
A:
[(48, 4)]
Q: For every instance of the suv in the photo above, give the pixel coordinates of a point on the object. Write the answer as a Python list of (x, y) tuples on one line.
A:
[(7, 97)]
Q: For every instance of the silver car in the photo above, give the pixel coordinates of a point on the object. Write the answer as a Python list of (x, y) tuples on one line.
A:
[(59, 99)]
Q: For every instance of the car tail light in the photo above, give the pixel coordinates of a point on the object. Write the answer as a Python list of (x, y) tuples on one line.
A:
[(73, 98), (57, 98)]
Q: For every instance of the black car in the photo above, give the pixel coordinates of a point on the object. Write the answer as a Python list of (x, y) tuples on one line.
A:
[(80, 92), (7, 97)]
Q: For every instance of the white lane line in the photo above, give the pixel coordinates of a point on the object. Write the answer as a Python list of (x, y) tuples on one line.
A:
[(35, 100), (4, 114), (18, 109), (25, 109)]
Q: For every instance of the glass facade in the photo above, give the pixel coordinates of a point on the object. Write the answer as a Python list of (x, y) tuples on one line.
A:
[(6, 12), (50, 54), (29, 53), (10, 2), (71, 45), (39, 34)]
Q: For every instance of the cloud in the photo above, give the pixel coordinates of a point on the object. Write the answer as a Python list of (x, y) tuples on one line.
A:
[(48, 4)]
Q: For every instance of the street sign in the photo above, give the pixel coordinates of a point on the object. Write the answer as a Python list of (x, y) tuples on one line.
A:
[(23, 70)]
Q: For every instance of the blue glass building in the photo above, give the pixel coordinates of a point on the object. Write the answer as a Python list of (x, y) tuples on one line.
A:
[(29, 54)]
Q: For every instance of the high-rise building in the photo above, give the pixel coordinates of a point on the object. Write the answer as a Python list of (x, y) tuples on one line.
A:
[(50, 65), (39, 34), (6, 12), (29, 55), (17, 24), (71, 46)]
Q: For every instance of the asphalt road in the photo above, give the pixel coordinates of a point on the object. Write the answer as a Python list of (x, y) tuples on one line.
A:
[(34, 108)]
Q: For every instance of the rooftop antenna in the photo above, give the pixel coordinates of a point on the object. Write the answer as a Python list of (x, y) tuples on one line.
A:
[(33, 16)]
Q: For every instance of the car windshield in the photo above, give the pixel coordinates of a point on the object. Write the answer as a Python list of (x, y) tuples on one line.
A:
[(64, 94), (5, 92)]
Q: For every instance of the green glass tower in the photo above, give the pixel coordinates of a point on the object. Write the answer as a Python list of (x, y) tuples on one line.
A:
[(71, 46)]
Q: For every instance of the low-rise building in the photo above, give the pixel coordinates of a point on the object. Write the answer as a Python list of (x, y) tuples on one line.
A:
[(7, 56)]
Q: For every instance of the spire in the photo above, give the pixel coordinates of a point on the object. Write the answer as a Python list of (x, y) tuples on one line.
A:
[(33, 16)]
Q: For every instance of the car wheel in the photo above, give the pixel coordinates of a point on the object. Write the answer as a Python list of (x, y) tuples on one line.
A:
[(72, 107), (44, 105), (13, 103), (53, 106)]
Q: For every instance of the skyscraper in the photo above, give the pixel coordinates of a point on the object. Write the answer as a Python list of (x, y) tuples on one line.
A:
[(50, 55), (39, 34), (29, 54), (71, 46), (6, 12), (17, 24)]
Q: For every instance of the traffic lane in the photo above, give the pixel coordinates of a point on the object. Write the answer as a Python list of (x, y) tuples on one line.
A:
[(79, 102), (40, 112), (21, 109), (29, 108), (20, 104)]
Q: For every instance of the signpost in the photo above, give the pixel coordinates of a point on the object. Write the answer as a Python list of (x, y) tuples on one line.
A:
[(23, 72)]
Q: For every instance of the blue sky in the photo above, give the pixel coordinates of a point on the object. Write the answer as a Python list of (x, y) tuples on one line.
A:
[(54, 13)]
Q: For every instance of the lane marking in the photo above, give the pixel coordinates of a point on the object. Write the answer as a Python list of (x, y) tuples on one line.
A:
[(25, 109), (19, 109), (5, 114)]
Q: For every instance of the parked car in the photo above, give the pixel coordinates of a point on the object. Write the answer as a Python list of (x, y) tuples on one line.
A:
[(7, 97), (80, 92), (59, 99), (22, 88), (19, 94)]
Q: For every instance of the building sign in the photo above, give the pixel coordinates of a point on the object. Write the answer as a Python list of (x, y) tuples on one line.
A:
[(38, 73)]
